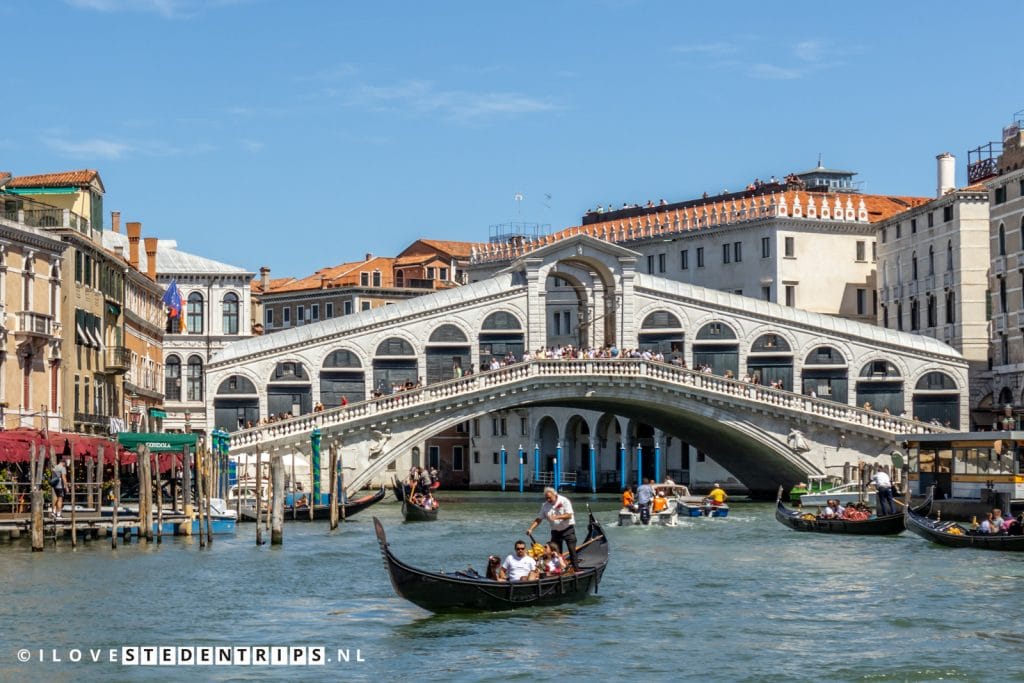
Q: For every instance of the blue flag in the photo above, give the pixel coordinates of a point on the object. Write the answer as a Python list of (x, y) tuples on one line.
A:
[(172, 299)]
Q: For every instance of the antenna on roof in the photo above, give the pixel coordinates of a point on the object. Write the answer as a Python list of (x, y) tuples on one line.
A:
[(519, 203), (819, 160)]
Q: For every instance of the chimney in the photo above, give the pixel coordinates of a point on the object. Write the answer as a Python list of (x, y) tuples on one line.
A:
[(323, 282), (369, 256), (947, 173), (265, 279), (119, 250), (115, 221), (134, 233), (151, 257)]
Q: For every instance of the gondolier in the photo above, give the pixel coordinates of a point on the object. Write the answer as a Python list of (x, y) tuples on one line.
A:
[(557, 510)]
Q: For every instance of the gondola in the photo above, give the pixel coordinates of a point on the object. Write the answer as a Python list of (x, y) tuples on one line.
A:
[(956, 536), (417, 513), (402, 490), (464, 591), (323, 511), (886, 525)]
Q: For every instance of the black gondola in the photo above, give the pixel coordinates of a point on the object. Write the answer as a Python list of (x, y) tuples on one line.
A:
[(324, 511), (403, 490), (885, 525), (417, 513), (956, 536), (461, 591)]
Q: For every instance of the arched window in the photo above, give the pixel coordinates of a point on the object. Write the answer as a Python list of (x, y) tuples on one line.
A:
[(194, 318), (1002, 295), (899, 269), (447, 334), (716, 331), (936, 381), (230, 308), (949, 255), (660, 320), (931, 260), (950, 308), (913, 266), (1002, 240), (236, 384), (932, 312), (879, 369), (194, 385), (172, 378)]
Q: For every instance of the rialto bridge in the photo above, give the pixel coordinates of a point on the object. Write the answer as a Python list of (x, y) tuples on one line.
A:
[(769, 392)]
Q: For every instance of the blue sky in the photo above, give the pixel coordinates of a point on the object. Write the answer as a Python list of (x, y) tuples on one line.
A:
[(302, 134)]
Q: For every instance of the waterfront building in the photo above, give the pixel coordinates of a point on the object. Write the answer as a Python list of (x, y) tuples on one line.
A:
[(91, 303), (1006, 281), (30, 314), (142, 355), (933, 263), (216, 309)]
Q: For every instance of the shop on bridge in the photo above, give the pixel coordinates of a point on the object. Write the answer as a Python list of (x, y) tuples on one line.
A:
[(716, 346), (825, 373), (394, 365), (500, 335), (289, 390), (236, 404), (770, 361), (662, 332), (342, 376), (880, 387), (448, 354)]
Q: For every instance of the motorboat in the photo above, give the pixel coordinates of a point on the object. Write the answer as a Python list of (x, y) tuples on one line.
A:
[(664, 508), (816, 483), (845, 493)]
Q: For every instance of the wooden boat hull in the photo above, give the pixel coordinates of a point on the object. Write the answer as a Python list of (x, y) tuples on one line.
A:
[(454, 592), (934, 531), (887, 525), (321, 512), (417, 513), (403, 490)]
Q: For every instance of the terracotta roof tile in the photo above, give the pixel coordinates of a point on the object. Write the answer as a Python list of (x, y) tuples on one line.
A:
[(342, 275), (61, 179)]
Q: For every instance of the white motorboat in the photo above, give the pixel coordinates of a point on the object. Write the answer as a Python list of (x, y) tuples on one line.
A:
[(846, 494), (667, 517)]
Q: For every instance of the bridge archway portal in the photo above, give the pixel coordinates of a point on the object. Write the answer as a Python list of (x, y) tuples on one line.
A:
[(581, 298)]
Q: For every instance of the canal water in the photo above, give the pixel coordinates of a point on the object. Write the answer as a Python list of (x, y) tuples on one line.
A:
[(735, 599)]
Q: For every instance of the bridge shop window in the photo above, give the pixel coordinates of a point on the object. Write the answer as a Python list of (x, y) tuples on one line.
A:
[(770, 362), (236, 404), (448, 354), (662, 331), (289, 390), (824, 375), (880, 387), (937, 399), (394, 365), (500, 335), (716, 346), (342, 376)]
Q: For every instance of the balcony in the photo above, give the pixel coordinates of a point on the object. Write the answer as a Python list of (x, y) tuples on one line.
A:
[(912, 289), (929, 283), (48, 217), (883, 294), (897, 292), (1016, 261), (35, 326), (950, 333), (999, 266), (118, 360), (947, 279)]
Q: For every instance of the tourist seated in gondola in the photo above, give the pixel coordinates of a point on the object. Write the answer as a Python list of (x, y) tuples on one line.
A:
[(429, 502), (519, 566), (552, 561), (997, 521), (494, 570), (1016, 526)]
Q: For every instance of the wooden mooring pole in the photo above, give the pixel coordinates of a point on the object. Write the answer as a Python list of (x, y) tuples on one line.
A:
[(333, 486), (116, 486), (159, 501), (71, 493), (145, 494), (277, 513), (36, 463), (259, 495), (210, 474)]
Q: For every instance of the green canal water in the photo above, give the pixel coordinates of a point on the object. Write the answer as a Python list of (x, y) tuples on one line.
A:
[(735, 599)]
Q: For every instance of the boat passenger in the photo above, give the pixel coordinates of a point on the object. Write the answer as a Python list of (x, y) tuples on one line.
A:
[(997, 520), (553, 562), (429, 503), (519, 566), (660, 503), (494, 570), (717, 496), (627, 499)]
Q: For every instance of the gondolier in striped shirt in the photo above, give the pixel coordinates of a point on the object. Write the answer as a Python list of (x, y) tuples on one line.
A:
[(557, 510)]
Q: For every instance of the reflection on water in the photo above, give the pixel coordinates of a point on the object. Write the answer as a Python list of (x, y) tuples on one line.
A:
[(741, 598)]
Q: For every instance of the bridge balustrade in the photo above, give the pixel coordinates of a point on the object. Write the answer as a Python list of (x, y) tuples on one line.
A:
[(618, 367)]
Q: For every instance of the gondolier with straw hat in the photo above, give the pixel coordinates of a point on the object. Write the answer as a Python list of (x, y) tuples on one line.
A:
[(557, 510)]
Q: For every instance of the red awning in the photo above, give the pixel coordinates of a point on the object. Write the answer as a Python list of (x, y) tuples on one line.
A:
[(14, 445)]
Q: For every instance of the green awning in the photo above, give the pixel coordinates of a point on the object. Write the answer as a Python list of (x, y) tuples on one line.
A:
[(156, 412), (41, 190), (157, 443)]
